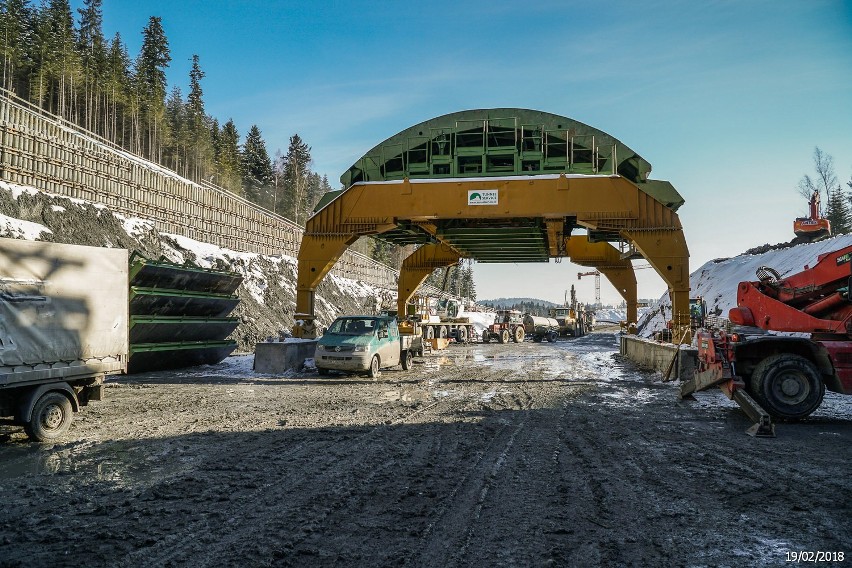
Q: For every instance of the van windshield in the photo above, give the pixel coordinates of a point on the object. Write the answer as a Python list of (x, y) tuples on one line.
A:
[(353, 326)]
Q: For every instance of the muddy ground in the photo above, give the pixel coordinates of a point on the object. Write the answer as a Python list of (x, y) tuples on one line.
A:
[(489, 455)]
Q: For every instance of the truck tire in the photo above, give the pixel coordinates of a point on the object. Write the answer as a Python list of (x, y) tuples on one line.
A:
[(486, 336), (504, 336), (406, 360), (461, 334), (375, 367), (519, 335), (429, 332), (787, 386), (52, 416), (551, 336), (442, 332)]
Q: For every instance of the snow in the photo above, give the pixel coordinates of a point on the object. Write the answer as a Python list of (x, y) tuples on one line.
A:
[(57, 208), (18, 229), (717, 280)]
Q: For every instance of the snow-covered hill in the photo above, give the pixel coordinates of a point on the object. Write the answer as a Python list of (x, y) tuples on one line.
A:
[(716, 281)]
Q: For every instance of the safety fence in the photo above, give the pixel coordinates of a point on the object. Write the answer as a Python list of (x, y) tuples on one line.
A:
[(51, 154)]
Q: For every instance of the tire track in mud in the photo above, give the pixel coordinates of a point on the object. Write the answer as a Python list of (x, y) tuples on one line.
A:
[(265, 500), (446, 539)]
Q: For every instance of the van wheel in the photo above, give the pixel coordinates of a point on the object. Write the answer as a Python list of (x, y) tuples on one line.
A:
[(374, 367), (52, 416), (407, 360)]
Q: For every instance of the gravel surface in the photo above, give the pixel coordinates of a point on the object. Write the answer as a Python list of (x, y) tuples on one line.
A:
[(490, 455)]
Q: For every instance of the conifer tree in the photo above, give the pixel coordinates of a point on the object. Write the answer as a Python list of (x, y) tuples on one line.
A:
[(228, 158), (296, 177), (16, 41), (199, 126), (154, 58), (256, 168), (92, 47), (117, 83)]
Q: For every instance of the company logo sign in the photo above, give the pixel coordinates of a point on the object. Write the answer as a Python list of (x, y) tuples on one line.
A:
[(482, 197)]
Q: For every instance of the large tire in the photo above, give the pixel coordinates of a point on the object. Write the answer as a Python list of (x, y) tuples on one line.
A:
[(406, 360), (504, 336), (375, 367), (787, 386), (519, 334), (486, 336), (51, 419), (442, 332), (461, 334), (429, 332), (551, 336)]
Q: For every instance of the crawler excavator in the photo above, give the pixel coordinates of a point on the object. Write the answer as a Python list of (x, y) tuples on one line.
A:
[(814, 226), (783, 376)]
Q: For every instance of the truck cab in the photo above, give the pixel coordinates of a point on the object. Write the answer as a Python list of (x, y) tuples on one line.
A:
[(363, 343)]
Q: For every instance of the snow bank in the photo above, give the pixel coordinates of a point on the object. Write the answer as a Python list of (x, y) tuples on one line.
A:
[(717, 280)]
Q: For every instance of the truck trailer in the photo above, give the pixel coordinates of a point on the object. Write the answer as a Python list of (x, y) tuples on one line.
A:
[(63, 327)]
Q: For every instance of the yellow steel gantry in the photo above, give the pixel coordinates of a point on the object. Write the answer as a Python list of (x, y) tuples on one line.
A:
[(606, 203)]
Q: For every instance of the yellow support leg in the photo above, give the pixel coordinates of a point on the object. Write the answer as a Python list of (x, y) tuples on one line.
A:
[(418, 266)]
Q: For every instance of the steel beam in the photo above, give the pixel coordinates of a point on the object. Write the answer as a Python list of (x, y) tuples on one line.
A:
[(597, 202)]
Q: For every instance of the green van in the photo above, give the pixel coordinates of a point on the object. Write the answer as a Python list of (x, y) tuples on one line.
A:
[(359, 344)]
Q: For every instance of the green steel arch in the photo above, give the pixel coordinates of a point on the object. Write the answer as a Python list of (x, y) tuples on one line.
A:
[(497, 142)]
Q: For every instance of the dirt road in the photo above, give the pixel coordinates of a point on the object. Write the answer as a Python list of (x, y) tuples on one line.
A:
[(489, 455)]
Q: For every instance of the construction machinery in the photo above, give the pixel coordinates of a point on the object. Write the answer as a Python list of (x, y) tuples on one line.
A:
[(437, 318), (508, 326), (571, 316), (541, 328), (776, 375), (814, 226)]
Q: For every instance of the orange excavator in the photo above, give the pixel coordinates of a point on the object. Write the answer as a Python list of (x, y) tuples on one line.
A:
[(813, 227)]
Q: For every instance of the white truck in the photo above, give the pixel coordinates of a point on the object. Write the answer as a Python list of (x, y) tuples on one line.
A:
[(63, 327)]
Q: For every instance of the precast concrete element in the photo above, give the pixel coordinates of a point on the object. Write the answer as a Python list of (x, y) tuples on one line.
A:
[(658, 356), (280, 356)]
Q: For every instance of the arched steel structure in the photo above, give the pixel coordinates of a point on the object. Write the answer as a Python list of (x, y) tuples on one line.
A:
[(503, 185)]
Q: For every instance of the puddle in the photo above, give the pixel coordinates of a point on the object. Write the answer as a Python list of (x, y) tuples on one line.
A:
[(117, 462)]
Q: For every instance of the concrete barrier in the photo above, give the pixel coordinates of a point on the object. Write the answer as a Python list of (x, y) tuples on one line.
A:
[(280, 356), (657, 356)]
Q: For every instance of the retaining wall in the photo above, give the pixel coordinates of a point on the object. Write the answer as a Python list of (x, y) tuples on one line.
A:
[(44, 151)]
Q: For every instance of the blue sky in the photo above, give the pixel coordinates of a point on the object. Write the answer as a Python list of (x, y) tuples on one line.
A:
[(726, 99)]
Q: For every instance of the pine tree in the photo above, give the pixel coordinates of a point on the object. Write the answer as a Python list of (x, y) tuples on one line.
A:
[(296, 175), (837, 211), (154, 58), (228, 158), (199, 124), (256, 168), (16, 40), (92, 48), (117, 86)]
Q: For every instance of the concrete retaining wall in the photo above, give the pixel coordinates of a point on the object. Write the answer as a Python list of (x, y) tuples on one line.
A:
[(657, 356), (281, 356)]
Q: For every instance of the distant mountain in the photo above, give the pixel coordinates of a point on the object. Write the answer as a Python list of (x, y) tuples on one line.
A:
[(505, 303)]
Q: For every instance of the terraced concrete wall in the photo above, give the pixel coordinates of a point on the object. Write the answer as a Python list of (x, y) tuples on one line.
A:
[(46, 152)]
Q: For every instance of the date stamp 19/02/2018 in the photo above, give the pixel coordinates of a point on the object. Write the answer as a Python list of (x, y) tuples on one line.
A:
[(813, 556)]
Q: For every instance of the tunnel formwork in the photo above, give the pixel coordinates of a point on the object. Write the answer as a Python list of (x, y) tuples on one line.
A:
[(503, 185)]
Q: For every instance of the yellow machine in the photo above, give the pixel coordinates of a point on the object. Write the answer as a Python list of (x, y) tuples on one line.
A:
[(503, 185)]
